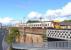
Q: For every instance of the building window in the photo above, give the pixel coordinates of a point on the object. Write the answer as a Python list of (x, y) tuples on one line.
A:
[(48, 24), (40, 24), (45, 24), (36, 25)]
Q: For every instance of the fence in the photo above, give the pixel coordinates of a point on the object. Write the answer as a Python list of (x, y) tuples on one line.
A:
[(59, 45), (48, 45)]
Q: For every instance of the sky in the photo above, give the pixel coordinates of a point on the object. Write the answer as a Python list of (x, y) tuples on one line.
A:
[(13, 11)]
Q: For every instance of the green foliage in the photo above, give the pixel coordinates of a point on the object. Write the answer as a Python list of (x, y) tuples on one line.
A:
[(29, 21), (12, 34), (67, 20)]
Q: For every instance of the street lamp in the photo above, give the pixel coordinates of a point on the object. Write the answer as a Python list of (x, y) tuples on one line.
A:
[(44, 30)]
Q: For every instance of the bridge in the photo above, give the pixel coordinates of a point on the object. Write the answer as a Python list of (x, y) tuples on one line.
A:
[(43, 27), (35, 31), (64, 34)]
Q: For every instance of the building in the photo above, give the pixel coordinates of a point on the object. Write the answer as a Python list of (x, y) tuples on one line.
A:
[(34, 30), (45, 24), (65, 25)]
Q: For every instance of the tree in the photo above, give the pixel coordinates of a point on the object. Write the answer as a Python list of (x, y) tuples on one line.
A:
[(67, 20), (32, 21), (12, 35)]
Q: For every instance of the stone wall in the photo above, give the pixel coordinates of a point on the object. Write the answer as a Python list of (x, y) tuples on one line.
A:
[(32, 35)]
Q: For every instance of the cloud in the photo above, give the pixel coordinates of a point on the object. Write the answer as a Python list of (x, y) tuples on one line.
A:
[(34, 14), (64, 12), (7, 20), (54, 14)]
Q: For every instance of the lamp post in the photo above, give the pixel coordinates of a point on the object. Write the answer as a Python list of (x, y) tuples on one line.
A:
[(24, 27), (44, 30)]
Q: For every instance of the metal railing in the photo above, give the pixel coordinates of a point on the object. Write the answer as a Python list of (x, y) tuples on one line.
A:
[(28, 46), (59, 44), (49, 45)]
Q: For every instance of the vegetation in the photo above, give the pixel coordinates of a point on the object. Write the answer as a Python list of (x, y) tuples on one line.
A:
[(67, 20), (12, 34), (30, 21)]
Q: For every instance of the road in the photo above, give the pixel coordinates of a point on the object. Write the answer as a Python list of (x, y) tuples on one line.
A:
[(3, 32)]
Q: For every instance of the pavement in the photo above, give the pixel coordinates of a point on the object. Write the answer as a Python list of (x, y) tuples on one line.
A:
[(3, 44), (1, 37)]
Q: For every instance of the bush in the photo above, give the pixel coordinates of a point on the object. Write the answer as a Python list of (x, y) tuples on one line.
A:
[(12, 35)]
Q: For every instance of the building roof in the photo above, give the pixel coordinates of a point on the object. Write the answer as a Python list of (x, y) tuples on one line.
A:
[(65, 23)]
